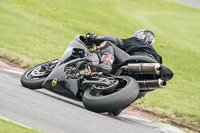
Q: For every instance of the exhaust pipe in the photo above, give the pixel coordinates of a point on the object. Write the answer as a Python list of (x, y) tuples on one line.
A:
[(144, 68), (151, 84)]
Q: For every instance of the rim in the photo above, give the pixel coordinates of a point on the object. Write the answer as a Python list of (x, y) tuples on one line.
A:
[(101, 91), (111, 83), (36, 73)]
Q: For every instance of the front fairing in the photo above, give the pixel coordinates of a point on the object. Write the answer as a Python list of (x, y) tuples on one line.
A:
[(57, 80)]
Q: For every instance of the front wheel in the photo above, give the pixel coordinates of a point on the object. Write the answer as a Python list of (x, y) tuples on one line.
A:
[(119, 98), (35, 76)]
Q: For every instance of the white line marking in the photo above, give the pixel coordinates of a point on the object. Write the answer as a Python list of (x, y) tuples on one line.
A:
[(15, 122), (127, 116)]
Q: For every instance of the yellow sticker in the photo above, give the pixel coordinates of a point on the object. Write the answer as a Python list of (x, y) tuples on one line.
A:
[(54, 82)]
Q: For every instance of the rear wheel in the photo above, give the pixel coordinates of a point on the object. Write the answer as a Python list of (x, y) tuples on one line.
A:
[(35, 76), (112, 100)]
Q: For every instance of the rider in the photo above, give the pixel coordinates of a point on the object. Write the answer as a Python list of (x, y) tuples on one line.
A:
[(141, 43)]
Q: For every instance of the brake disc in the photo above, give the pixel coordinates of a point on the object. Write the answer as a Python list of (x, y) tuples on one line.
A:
[(111, 83)]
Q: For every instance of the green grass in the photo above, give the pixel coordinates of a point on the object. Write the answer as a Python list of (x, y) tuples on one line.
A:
[(9, 127), (34, 31)]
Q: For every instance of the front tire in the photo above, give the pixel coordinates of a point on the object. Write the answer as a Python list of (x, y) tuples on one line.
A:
[(37, 81), (114, 101)]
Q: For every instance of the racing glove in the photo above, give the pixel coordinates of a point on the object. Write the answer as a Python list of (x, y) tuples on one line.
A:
[(90, 37)]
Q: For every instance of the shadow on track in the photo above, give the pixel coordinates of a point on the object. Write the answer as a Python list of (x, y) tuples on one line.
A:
[(60, 97)]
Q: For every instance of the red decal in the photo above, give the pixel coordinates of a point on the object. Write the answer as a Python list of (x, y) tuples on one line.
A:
[(109, 57)]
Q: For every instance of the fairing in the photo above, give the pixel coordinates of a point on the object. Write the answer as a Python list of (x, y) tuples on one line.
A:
[(57, 80)]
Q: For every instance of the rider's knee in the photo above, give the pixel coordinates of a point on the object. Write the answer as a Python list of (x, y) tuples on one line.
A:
[(105, 45)]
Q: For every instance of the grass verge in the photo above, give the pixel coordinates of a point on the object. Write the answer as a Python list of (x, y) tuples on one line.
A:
[(9, 127)]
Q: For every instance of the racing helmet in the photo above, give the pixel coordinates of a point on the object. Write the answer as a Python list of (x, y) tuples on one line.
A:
[(146, 35)]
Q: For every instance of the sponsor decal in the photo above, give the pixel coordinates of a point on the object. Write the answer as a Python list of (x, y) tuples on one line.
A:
[(54, 82)]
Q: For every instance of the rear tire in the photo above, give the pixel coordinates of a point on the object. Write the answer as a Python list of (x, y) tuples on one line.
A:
[(114, 101)]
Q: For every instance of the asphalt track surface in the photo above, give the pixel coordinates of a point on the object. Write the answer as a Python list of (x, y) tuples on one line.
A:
[(191, 3), (52, 113)]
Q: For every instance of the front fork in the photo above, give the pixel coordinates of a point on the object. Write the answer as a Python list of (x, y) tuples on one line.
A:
[(49, 66)]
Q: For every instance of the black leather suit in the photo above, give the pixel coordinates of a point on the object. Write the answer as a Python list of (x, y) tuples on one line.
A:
[(131, 46)]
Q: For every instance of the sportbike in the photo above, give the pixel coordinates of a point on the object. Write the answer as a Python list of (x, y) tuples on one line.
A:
[(73, 76)]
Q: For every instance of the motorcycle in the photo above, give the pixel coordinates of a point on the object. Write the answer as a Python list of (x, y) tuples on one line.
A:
[(73, 76)]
